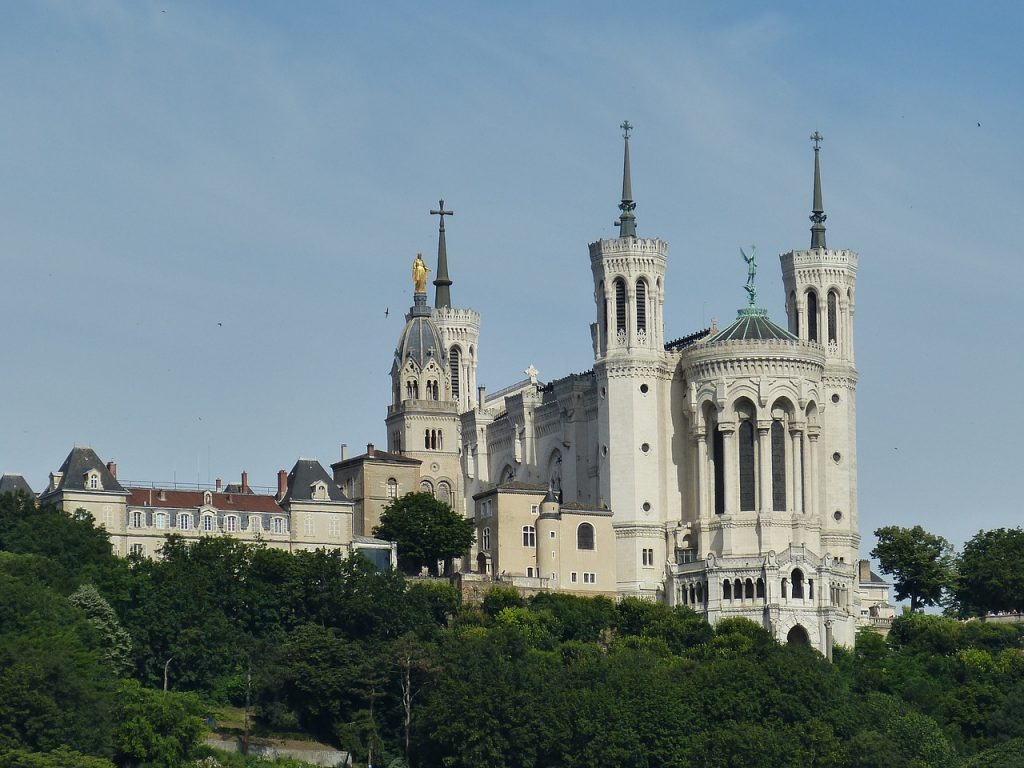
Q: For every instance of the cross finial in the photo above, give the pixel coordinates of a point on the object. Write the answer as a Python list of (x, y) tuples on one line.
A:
[(626, 128), (440, 211), (817, 138)]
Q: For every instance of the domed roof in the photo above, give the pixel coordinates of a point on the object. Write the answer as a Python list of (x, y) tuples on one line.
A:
[(420, 340), (753, 324)]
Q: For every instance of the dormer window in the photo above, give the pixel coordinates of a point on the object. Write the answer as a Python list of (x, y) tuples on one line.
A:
[(92, 481), (319, 491)]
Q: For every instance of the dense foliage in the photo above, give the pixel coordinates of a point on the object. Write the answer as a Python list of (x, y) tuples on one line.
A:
[(920, 563), (426, 530), (322, 644)]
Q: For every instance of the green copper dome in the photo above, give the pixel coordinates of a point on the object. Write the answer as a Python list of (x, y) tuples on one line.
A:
[(752, 324)]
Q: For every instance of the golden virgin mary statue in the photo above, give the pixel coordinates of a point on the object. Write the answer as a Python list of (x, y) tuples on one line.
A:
[(419, 274)]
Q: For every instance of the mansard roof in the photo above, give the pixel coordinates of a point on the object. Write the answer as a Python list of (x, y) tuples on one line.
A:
[(301, 479), (14, 483), (752, 324), (77, 465), (168, 498)]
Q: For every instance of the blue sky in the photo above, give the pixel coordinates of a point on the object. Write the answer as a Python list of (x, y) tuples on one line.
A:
[(206, 209)]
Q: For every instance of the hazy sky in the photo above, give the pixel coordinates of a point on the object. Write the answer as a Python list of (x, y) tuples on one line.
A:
[(206, 209)]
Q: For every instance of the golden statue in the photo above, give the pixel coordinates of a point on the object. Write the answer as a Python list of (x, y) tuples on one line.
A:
[(419, 274)]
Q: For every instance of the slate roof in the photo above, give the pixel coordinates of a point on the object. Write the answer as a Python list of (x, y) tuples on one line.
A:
[(301, 478), (80, 461), (752, 324), (177, 499), (420, 339), (376, 455), (14, 483)]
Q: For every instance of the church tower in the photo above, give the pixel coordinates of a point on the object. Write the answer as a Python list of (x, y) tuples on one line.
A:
[(633, 381), (460, 328), (422, 420), (820, 285)]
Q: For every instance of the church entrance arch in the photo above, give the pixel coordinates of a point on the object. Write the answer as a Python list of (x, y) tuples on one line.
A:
[(798, 636)]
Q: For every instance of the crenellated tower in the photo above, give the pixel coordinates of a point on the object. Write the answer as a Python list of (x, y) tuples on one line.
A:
[(633, 380), (460, 328), (820, 285)]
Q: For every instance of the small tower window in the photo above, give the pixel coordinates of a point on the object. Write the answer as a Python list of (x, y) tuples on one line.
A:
[(392, 489), (812, 316), (746, 450), (620, 305), (641, 305), (832, 302), (454, 361)]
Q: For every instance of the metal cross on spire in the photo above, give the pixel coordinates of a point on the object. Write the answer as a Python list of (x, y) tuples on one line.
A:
[(442, 283), (817, 138), (440, 211), (626, 128)]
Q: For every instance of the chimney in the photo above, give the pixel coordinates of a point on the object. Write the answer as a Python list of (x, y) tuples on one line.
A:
[(112, 469), (282, 483), (344, 451), (369, 450), (245, 481), (865, 570), (218, 485), (161, 495), (481, 395)]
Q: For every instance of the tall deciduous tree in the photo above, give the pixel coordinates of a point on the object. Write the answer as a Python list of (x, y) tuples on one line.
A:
[(427, 530), (990, 574), (920, 563)]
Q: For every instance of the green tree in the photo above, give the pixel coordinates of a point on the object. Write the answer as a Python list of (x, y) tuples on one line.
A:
[(920, 563), (427, 530), (61, 757), (161, 729), (990, 576), (116, 643)]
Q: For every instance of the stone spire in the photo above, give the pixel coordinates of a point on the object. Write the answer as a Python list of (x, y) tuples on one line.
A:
[(442, 283), (818, 211), (627, 221)]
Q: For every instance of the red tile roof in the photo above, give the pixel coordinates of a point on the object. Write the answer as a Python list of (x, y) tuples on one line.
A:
[(226, 502)]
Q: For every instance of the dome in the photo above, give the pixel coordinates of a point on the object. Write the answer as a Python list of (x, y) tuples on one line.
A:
[(420, 340), (753, 324)]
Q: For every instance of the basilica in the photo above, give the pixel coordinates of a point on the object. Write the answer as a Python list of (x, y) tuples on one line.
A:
[(716, 470)]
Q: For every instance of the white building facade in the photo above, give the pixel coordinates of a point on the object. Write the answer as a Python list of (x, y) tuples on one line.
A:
[(726, 458)]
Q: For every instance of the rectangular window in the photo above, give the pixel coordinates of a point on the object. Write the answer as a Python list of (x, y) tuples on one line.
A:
[(535, 509), (333, 528), (648, 558), (551, 534), (185, 522), (207, 522), (278, 525), (485, 538), (136, 518), (308, 527), (160, 520), (529, 572), (572, 577), (589, 578), (231, 523), (137, 549)]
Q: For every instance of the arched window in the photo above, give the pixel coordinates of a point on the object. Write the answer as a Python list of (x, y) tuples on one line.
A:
[(746, 450), (392, 489), (440, 440), (832, 310), (160, 520), (137, 519), (700, 593), (485, 538), (737, 590), (454, 361), (620, 305), (794, 316), (759, 588), (748, 589), (727, 590), (427, 487), (641, 305), (718, 463), (529, 536), (585, 536), (778, 466), (444, 492), (426, 439), (798, 583), (812, 316)]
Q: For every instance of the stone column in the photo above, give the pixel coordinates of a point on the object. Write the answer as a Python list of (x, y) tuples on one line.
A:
[(701, 439), (764, 466), (813, 507), (796, 487), (730, 458)]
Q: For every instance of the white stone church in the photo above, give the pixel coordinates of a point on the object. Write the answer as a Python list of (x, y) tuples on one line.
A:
[(717, 470)]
